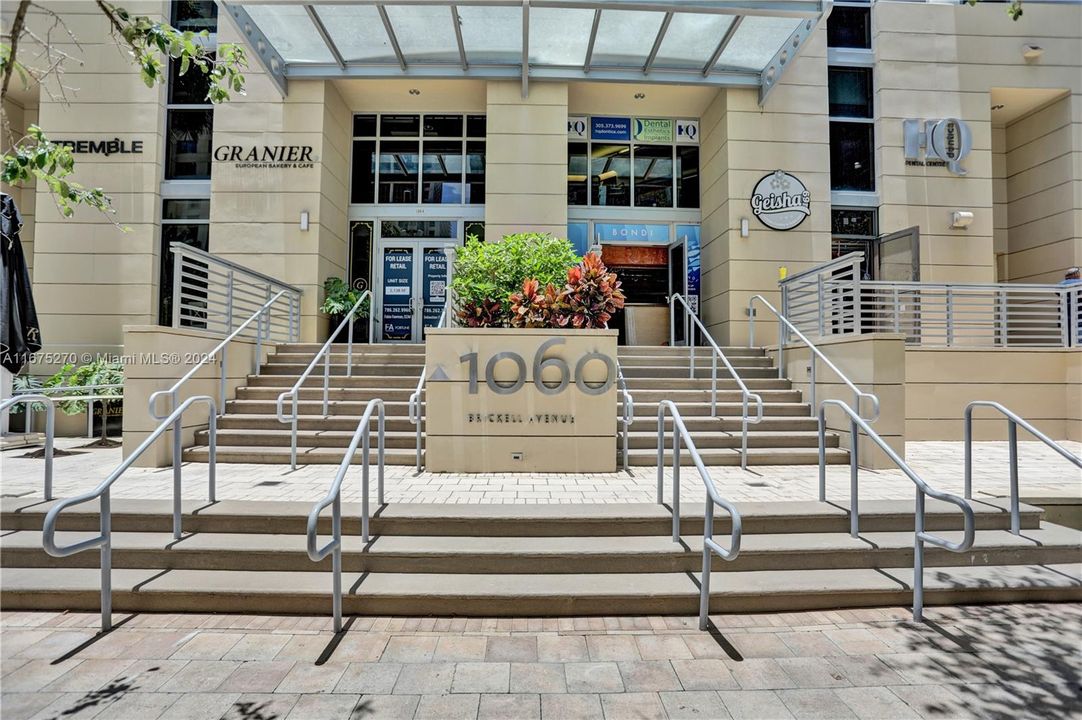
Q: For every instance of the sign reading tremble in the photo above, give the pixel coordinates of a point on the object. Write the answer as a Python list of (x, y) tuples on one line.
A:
[(294, 157)]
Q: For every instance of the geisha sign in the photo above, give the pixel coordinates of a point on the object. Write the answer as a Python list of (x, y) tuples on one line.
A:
[(780, 201)]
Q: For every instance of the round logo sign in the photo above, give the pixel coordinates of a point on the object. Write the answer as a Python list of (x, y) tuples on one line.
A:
[(780, 201)]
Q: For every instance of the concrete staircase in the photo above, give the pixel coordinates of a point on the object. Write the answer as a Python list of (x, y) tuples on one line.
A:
[(550, 560), (251, 433)]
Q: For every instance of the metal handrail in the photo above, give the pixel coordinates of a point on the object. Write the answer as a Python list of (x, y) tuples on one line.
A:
[(413, 408), (847, 260), (104, 540), (691, 321), (361, 435), (783, 323), (50, 429), (713, 497), (920, 536), (88, 398), (324, 352), (179, 248), (1013, 421), (628, 414)]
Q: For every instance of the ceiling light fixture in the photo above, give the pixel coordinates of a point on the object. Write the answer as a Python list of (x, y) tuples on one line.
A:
[(640, 96), (414, 91), (998, 107), (1032, 52)]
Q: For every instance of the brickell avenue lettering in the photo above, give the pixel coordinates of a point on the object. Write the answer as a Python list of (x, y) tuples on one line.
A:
[(266, 156), (518, 419)]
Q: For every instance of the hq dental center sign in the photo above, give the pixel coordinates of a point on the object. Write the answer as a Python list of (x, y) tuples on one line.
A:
[(628, 129)]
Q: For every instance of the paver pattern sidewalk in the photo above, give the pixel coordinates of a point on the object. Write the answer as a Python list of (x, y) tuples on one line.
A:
[(1043, 473), (1006, 661)]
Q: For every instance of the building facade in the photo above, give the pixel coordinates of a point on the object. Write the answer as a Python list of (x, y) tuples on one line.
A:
[(942, 140)]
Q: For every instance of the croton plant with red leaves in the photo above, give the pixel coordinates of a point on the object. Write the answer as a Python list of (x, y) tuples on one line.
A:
[(590, 297)]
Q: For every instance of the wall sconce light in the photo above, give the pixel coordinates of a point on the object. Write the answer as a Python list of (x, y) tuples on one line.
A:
[(744, 227), (304, 221), (1032, 52), (961, 219)]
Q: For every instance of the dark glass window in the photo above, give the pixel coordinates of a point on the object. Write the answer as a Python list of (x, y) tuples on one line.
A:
[(475, 231), (195, 15), (850, 92), (653, 176), (475, 172), (190, 88), (852, 165), (441, 168), (363, 185), (578, 172), (476, 126), (187, 144), (687, 176), (398, 171), (418, 228), (849, 27), (192, 232), (610, 167), (360, 255), (364, 126), (400, 125), (447, 126), (853, 222)]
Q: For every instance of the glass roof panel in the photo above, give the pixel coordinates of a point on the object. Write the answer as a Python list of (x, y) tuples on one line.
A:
[(357, 32), (625, 37), (691, 39), (425, 32), (292, 33), (560, 36), (492, 34), (756, 41)]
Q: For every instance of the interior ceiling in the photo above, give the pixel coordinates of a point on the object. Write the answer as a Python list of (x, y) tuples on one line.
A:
[(1018, 102)]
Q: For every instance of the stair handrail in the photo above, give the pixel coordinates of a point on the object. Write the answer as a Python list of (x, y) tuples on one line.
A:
[(691, 321), (920, 536), (783, 322), (88, 396), (324, 352), (413, 408), (104, 540), (713, 497), (50, 428), (1013, 421), (628, 415), (361, 435)]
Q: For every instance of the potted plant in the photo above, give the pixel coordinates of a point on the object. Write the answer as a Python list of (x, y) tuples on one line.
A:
[(338, 299)]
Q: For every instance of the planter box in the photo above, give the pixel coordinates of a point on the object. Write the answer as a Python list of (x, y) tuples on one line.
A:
[(487, 411)]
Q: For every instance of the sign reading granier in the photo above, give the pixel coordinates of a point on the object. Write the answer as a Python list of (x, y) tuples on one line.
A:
[(780, 201)]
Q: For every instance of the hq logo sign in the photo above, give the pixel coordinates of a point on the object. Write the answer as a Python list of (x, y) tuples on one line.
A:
[(945, 143)]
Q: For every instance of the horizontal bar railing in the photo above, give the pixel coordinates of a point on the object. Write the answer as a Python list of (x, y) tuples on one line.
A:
[(414, 405), (691, 323), (680, 435), (325, 354), (50, 428), (785, 327), (1013, 422), (101, 492), (362, 436), (627, 417), (920, 536), (79, 393)]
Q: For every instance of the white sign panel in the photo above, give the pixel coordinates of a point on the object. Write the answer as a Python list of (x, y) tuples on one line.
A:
[(576, 127), (687, 131), (780, 201)]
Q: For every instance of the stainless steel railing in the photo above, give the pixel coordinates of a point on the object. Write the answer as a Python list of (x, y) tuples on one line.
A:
[(101, 492), (215, 294), (325, 353), (414, 406), (713, 498), (361, 435), (83, 393), (50, 429), (784, 325), (920, 536), (1013, 421), (691, 323), (627, 417)]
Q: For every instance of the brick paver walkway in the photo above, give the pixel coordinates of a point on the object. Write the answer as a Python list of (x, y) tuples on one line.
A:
[(1043, 474), (1007, 661)]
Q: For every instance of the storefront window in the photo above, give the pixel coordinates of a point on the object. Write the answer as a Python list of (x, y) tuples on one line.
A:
[(188, 144), (360, 255), (578, 171), (418, 229), (475, 172), (400, 125), (443, 126), (398, 172), (363, 187), (850, 92), (687, 176), (849, 27), (188, 222), (851, 160), (653, 176), (194, 15), (442, 171), (610, 167), (190, 88)]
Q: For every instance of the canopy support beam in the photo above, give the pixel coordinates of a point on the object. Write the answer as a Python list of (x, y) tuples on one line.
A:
[(322, 30), (457, 22), (786, 54), (657, 44), (525, 49), (272, 63), (725, 40), (391, 36), (593, 39)]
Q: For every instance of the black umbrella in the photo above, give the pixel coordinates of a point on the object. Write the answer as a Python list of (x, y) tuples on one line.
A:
[(20, 335)]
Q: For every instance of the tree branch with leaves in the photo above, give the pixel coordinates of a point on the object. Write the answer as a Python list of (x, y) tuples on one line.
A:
[(152, 45)]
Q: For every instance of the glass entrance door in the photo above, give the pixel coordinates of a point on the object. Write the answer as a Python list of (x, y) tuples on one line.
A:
[(678, 284), (412, 287)]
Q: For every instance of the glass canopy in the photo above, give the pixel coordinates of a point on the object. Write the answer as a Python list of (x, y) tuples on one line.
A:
[(727, 43)]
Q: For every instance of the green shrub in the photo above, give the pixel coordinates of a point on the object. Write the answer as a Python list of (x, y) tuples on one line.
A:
[(487, 274)]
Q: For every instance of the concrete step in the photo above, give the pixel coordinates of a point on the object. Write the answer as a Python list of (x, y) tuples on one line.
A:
[(731, 456), (727, 409), (1050, 544), (311, 349), (756, 439), (490, 520), (274, 455), (488, 595), (340, 357), (285, 382), (635, 384), (398, 408), (701, 371), (702, 359), (680, 351), (257, 421), (399, 367), (336, 392)]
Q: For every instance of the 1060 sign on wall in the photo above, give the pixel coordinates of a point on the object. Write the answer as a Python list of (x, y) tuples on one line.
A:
[(780, 201)]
